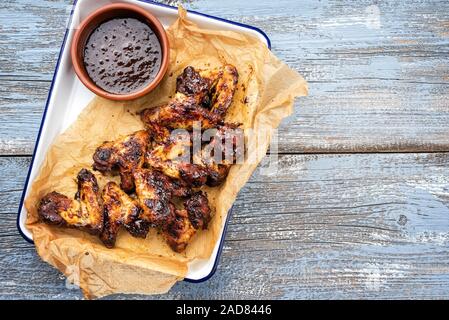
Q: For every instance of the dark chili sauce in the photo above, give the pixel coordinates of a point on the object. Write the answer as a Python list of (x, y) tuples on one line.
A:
[(122, 55)]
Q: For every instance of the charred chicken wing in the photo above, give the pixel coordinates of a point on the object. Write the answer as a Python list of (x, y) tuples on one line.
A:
[(84, 212), (202, 97), (224, 83), (124, 155), (223, 150), (209, 165), (182, 228), (120, 210), (182, 112), (173, 157), (179, 231), (190, 83), (155, 191), (198, 210)]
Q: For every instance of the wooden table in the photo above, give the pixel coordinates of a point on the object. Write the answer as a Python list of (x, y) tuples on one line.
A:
[(359, 207)]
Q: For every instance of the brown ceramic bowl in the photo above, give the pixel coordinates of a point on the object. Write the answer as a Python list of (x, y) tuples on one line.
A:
[(92, 22)]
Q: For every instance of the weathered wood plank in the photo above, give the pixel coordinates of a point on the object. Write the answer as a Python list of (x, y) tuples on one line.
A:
[(21, 108), (382, 234), (378, 83), (31, 34), (12, 180)]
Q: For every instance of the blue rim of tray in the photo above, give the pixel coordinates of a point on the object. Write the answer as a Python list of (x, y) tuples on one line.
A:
[(214, 268)]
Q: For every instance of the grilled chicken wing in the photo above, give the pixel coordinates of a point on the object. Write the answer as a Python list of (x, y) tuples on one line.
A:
[(198, 210), (213, 89), (83, 213), (224, 82), (182, 228), (190, 83), (155, 191), (119, 209), (190, 173), (124, 155), (179, 232), (182, 112), (173, 157), (201, 97), (223, 150)]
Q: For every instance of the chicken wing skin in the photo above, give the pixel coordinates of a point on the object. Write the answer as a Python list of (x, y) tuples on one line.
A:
[(208, 166), (190, 173), (124, 155), (84, 212), (119, 209), (198, 210), (191, 83), (224, 85), (155, 191), (173, 157), (183, 227), (220, 153), (179, 231), (182, 112), (201, 97), (212, 88)]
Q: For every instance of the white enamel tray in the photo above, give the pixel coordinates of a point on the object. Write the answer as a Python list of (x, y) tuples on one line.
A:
[(68, 96)]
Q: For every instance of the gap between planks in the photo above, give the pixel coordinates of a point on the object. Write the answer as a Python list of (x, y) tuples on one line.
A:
[(297, 153)]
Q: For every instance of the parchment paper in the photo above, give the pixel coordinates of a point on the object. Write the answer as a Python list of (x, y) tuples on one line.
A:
[(265, 95)]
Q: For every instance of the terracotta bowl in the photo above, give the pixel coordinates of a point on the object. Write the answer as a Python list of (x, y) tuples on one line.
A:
[(91, 23)]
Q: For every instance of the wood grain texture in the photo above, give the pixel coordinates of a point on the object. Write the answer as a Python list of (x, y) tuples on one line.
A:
[(378, 74), (21, 107), (384, 233)]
